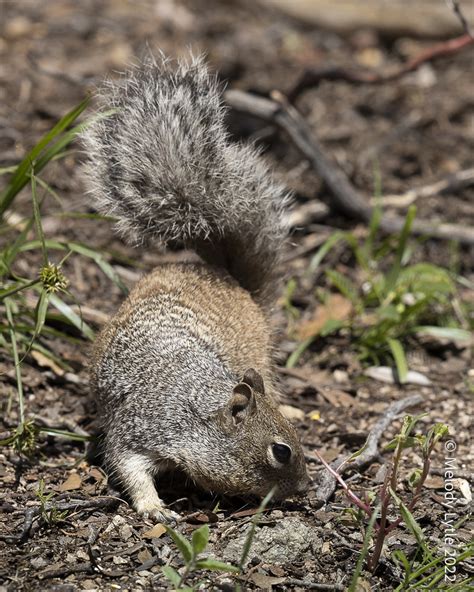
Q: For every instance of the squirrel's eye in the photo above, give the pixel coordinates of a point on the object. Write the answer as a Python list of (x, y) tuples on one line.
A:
[(281, 452)]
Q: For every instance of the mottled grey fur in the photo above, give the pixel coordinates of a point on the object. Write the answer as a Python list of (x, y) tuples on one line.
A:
[(182, 373), (164, 166)]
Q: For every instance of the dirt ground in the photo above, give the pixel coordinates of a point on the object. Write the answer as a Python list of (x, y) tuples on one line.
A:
[(414, 131)]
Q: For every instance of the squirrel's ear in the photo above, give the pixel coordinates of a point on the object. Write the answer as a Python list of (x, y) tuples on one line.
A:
[(241, 405), (254, 380)]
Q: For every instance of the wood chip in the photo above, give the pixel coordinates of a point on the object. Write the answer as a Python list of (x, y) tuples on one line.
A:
[(73, 482), (144, 555), (265, 582), (154, 533)]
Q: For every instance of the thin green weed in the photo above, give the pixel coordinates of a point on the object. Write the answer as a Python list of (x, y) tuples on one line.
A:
[(394, 299), (37, 308)]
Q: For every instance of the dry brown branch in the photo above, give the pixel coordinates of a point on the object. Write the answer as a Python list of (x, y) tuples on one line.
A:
[(346, 199), (105, 502), (454, 5), (326, 485), (450, 183), (313, 76)]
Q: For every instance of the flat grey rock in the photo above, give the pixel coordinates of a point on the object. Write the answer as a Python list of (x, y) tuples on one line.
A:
[(283, 542)]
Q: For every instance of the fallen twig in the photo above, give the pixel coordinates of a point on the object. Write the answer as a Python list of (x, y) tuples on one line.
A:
[(31, 514), (450, 183), (454, 5), (63, 572), (313, 76), (326, 484), (87, 567), (346, 199)]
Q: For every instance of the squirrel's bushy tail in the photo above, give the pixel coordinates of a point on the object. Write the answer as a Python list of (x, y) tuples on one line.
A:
[(163, 165)]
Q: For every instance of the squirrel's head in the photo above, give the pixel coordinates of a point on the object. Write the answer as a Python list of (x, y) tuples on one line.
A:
[(262, 447)]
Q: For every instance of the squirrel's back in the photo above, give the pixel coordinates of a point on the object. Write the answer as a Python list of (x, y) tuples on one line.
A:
[(180, 306), (163, 165)]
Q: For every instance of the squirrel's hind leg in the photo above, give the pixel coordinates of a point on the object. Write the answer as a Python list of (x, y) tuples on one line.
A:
[(136, 472)]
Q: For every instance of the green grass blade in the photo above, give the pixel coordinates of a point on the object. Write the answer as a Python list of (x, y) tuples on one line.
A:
[(21, 175), (398, 354), (37, 219), (364, 552), (40, 312), (65, 434), (50, 244), (411, 524), (394, 272), (451, 333), (374, 225), (324, 250), (424, 582), (86, 216), (345, 286), (250, 536), (182, 543), (16, 360), (299, 351), (17, 288), (104, 265), (50, 190), (215, 565), (56, 149), (72, 317)]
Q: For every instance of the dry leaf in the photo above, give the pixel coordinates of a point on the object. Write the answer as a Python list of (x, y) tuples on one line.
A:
[(434, 483), (265, 582), (74, 481), (97, 474), (337, 308), (45, 362), (291, 413), (336, 397), (245, 513), (154, 533), (202, 517)]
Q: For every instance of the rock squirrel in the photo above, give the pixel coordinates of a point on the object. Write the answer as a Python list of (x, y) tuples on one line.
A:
[(182, 373)]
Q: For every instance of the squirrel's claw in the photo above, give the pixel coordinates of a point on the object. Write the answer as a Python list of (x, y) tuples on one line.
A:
[(159, 513)]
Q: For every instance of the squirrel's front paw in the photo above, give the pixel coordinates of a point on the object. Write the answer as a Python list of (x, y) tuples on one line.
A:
[(157, 512)]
